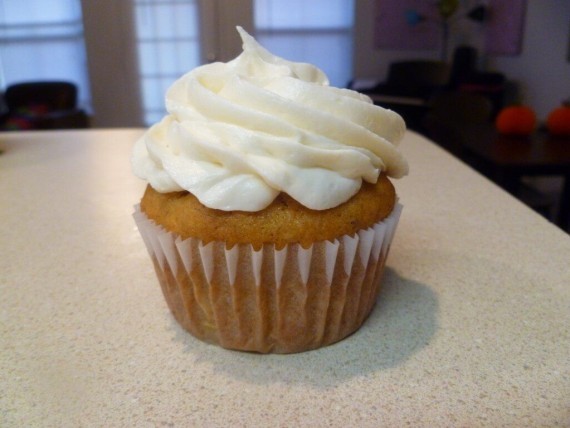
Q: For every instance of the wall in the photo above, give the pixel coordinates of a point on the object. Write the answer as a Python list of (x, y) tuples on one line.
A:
[(370, 62), (112, 63), (541, 72)]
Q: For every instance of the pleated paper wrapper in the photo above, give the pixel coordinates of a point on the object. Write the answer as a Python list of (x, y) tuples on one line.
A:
[(284, 300)]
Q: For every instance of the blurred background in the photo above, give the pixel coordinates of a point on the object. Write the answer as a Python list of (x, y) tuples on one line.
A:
[(122, 55)]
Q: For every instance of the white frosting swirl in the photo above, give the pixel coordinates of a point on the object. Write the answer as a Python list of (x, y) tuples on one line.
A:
[(238, 133)]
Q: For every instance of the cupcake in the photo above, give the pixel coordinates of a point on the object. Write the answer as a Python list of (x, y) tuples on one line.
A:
[(269, 209)]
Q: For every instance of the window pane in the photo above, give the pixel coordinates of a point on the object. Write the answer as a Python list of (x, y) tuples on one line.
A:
[(187, 56), (152, 116), (185, 21), (152, 97), (289, 14), (315, 31), (168, 46), (167, 58), (166, 21), (16, 12), (43, 41), (41, 31), (331, 52), (148, 55)]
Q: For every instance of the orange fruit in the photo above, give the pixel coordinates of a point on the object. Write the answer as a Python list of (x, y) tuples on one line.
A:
[(516, 120), (558, 121)]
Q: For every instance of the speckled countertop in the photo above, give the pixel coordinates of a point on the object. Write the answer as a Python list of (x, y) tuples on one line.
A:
[(472, 327)]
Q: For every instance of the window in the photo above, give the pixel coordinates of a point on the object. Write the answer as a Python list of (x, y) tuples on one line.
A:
[(42, 40), (168, 46), (315, 31)]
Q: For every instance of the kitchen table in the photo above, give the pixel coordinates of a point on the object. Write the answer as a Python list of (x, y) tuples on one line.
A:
[(506, 159), (471, 328)]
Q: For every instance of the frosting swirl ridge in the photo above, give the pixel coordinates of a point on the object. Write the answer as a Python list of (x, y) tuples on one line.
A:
[(240, 132)]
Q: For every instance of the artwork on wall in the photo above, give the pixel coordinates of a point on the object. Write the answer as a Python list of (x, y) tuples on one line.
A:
[(406, 24), (421, 24)]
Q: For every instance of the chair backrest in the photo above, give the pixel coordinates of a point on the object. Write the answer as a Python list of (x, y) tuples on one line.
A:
[(418, 73), (450, 114), (54, 95), (464, 64)]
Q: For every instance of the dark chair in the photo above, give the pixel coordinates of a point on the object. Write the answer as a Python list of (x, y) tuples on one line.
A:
[(464, 64), (450, 113), (466, 77), (42, 105), (408, 87)]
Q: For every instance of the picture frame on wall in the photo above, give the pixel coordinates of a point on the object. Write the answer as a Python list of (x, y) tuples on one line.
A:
[(406, 25), (418, 25)]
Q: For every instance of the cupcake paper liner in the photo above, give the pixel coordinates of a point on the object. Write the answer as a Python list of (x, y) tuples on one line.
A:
[(284, 300)]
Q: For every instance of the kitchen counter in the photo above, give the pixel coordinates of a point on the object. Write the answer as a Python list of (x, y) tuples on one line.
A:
[(472, 326)]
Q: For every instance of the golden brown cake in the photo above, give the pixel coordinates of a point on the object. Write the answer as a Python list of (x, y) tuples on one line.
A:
[(284, 221), (268, 213)]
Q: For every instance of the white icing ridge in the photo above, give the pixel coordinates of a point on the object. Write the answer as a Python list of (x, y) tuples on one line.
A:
[(239, 133)]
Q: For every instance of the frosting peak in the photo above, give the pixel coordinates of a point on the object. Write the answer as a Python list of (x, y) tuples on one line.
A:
[(240, 132)]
